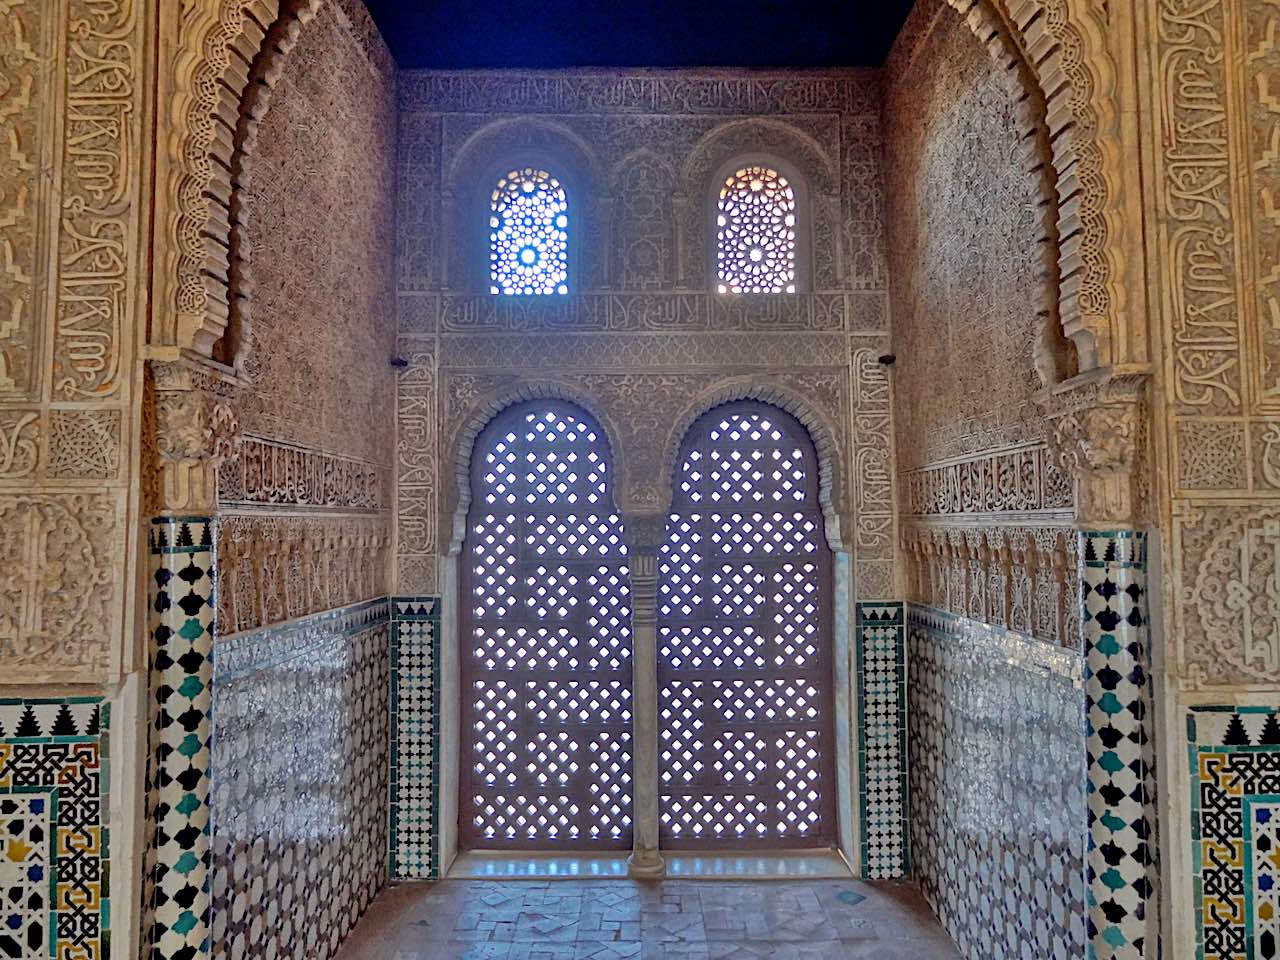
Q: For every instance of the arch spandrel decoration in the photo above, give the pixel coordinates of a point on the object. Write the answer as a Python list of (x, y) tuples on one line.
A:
[(645, 461)]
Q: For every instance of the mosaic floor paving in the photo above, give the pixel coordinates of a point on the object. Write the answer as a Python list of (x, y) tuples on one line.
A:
[(671, 920)]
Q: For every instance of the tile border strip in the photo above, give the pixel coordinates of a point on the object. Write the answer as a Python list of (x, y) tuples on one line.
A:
[(179, 862), (1120, 853), (413, 610), (883, 813), (1238, 745), (90, 887)]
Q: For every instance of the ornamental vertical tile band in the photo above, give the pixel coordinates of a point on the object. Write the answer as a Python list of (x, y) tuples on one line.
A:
[(54, 810), (1234, 758), (882, 736)]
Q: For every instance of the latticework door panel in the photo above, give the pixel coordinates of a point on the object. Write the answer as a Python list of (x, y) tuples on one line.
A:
[(744, 652), (547, 667)]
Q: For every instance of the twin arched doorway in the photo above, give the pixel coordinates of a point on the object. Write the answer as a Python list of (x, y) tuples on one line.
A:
[(744, 654)]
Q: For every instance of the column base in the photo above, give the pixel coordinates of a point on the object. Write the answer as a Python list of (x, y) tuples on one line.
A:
[(646, 865)]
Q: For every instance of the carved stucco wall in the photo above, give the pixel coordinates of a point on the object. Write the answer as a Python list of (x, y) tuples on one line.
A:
[(75, 108), (641, 340), (1210, 86), (987, 508), (987, 513), (72, 110), (305, 507)]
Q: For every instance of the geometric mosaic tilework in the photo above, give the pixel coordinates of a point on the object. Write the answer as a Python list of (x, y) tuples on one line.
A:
[(181, 654), (1235, 830), (882, 739), (415, 731), (54, 809), (299, 799), (1120, 856), (997, 786), (1262, 874)]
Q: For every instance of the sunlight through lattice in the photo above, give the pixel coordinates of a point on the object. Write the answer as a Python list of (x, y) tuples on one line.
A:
[(548, 670), (528, 238), (744, 652), (756, 233)]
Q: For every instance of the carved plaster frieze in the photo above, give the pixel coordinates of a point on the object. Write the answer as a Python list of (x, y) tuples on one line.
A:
[(276, 568), (1021, 577)]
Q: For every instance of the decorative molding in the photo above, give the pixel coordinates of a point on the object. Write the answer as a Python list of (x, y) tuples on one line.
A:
[(267, 472), (1008, 482), (277, 568), (418, 458), (566, 92), (1022, 578), (631, 312)]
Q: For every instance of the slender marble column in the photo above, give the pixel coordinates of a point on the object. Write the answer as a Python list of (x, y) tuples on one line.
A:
[(182, 606), (646, 860)]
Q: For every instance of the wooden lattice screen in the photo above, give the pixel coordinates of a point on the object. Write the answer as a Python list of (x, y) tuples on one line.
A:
[(744, 640), (547, 631)]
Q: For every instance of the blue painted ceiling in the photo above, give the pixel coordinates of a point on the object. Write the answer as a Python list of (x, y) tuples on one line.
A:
[(474, 34)]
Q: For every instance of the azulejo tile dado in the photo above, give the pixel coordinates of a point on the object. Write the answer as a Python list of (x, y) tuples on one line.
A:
[(882, 748), (299, 800), (1120, 859), (54, 843), (997, 786), (181, 655), (1234, 755), (415, 732)]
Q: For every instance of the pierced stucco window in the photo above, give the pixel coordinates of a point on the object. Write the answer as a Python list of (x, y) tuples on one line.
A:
[(529, 235), (756, 232), (546, 628), (746, 727)]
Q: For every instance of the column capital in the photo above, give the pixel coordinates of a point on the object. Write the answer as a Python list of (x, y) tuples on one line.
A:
[(1099, 437), (194, 429)]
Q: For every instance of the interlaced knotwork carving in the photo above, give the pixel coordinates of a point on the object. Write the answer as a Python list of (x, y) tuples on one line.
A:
[(547, 638), (744, 668)]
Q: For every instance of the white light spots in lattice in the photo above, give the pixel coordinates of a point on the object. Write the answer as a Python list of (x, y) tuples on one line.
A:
[(550, 639), (744, 665), (528, 235), (756, 233)]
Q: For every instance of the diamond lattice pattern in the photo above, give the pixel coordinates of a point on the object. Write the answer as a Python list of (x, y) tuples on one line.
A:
[(744, 667), (548, 675)]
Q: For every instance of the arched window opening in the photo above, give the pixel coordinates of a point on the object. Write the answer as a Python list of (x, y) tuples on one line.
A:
[(746, 737), (756, 232), (546, 630), (528, 235)]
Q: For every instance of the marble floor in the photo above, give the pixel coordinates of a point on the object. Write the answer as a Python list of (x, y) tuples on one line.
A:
[(668, 920)]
